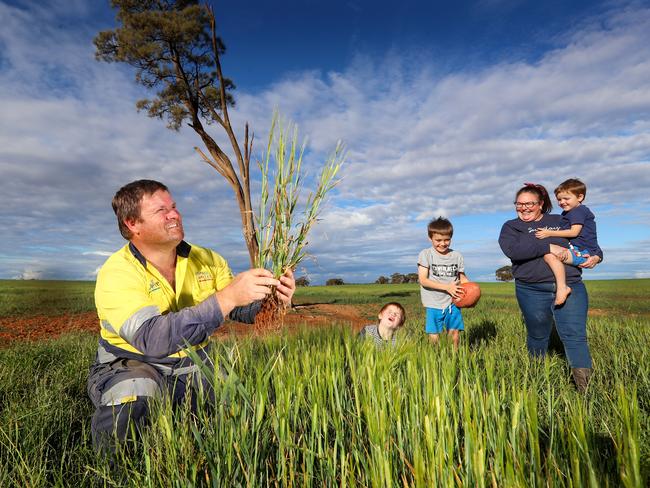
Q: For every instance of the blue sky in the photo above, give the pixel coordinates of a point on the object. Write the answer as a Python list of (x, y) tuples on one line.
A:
[(445, 110)]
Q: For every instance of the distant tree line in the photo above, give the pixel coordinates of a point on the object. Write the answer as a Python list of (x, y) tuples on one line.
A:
[(398, 278), (302, 281), (504, 273), (334, 282)]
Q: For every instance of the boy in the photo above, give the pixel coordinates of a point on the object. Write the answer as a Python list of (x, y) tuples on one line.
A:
[(440, 272), (391, 317), (584, 243)]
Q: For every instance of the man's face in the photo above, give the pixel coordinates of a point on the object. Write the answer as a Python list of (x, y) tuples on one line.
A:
[(159, 222)]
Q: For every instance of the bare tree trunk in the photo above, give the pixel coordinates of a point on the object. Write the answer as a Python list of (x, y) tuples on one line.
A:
[(220, 161), (217, 158)]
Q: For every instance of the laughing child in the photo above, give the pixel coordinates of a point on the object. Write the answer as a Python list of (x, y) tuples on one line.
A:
[(391, 317)]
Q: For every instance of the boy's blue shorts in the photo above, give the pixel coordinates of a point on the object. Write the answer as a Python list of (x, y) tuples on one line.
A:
[(448, 318), (578, 255)]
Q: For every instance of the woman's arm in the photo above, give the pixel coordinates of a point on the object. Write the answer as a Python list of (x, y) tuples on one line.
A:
[(521, 247), (574, 231), (591, 262)]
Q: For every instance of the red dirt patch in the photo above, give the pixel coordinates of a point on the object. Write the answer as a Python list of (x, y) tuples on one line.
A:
[(41, 327), (597, 312), (301, 316)]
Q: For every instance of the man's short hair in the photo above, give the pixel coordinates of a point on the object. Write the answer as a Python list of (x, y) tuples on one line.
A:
[(440, 226), (573, 186), (126, 202)]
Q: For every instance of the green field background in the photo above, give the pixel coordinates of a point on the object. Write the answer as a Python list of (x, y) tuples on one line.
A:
[(321, 408)]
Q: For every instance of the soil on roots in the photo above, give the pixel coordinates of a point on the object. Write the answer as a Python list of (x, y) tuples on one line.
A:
[(271, 315)]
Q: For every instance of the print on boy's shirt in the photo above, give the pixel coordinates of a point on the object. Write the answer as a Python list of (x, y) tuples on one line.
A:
[(444, 269)]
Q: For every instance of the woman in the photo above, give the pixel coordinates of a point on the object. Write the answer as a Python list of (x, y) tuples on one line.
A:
[(535, 283)]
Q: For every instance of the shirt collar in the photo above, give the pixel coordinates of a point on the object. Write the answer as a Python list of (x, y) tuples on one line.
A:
[(182, 250)]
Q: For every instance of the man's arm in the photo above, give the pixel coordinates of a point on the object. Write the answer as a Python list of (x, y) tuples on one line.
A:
[(140, 323), (574, 231), (162, 335)]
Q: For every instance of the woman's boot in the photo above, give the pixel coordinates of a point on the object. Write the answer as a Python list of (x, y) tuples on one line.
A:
[(581, 378)]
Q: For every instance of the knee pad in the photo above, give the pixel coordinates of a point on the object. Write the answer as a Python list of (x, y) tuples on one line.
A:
[(122, 382)]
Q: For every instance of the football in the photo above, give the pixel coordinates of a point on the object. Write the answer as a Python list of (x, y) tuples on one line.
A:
[(471, 295)]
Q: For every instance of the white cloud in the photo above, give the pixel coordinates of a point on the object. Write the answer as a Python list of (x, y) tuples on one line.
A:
[(420, 143), (30, 274), (98, 253)]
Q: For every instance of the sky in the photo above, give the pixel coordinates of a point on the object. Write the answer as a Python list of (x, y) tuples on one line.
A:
[(445, 109)]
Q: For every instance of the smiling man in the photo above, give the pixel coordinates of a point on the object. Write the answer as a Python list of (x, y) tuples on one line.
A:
[(157, 298)]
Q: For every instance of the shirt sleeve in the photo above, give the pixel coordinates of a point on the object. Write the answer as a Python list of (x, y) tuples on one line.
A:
[(577, 216), (246, 314), (167, 334), (423, 259)]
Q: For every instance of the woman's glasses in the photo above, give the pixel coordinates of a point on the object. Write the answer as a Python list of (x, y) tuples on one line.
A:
[(520, 205)]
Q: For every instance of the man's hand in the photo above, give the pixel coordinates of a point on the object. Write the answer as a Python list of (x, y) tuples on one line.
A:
[(287, 287), (248, 287), (590, 262)]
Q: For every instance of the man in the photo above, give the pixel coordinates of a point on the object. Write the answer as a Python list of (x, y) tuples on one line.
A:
[(157, 298)]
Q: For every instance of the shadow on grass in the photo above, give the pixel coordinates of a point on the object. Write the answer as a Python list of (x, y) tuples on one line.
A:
[(483, 333), (397, 294)]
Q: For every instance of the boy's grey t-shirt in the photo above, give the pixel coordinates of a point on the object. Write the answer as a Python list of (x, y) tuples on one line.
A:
[(443, 268)]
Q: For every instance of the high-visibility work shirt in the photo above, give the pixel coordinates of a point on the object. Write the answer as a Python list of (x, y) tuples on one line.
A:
[(142, 316)]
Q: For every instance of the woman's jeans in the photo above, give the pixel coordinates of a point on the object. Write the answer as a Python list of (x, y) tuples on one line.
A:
[(536, 301)]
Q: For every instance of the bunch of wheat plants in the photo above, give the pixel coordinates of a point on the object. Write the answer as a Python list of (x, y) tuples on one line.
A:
[(282, 237)]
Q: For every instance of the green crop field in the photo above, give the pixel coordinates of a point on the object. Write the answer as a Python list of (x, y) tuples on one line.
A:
[(320, 408)]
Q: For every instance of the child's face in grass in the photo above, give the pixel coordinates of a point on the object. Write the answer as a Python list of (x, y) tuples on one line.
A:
[(568, 201), (390, 317), (441, 242)]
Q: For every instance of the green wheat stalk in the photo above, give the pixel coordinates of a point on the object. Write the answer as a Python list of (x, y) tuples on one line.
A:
[(282, 238)]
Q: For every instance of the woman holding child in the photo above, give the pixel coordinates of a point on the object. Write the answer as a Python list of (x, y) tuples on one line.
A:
[(535, 285)]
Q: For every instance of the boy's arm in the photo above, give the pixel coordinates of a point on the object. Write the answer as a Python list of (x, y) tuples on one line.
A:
[(451, 288), (463, 278), (568, 233)]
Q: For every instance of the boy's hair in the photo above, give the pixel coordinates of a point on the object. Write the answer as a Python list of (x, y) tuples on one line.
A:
[(126, 202), (540, 192), (440, 226), (572, 185), (401, 309)]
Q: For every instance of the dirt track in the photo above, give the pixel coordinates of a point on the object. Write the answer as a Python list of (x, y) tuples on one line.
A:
[(311, 315)]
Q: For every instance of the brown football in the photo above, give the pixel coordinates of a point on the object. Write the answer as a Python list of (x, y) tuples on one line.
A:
[(471, 295)]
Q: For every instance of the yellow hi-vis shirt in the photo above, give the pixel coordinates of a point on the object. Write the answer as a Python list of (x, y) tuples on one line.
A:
[(129, 290)]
